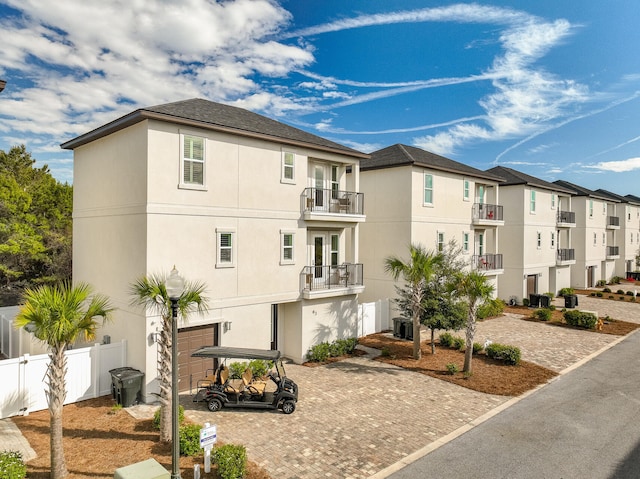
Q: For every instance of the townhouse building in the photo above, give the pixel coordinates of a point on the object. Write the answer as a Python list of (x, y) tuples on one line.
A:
[(627, 240), (418, 197), (595, 238), (537, 235), (266, 215)]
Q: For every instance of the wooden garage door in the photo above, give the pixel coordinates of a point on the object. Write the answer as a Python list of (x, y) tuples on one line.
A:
[(192, 369)]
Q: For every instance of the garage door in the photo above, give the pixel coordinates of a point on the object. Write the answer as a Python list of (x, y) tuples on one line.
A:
[(192, 369)]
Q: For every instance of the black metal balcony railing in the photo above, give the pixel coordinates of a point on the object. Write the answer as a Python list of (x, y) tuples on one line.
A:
[(483, 211), (566, 217), (566, 254), (613, 221), (487, 262), (328, 277), (613, 251), (320, 200)]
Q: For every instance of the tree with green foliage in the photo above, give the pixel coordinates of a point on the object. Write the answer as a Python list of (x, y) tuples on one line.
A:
[(476, 289), (151, 292), (35, 225), (416, 273), (58, 315)]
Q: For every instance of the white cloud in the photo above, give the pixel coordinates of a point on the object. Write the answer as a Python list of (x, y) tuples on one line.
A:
[(617, 166)]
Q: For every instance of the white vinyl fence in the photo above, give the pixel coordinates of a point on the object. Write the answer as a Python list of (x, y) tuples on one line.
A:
[(373, 317), (87, 377)]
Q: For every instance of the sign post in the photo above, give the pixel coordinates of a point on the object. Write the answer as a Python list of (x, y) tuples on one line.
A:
[(208, 438)]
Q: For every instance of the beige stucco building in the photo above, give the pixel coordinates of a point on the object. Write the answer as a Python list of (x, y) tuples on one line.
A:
[(266, 215), (417, 197), (537, 238)]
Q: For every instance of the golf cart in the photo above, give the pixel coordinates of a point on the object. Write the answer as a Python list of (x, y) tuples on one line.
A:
[(219, 389)]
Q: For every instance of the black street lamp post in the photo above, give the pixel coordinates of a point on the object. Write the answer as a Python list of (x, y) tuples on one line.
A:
[(175, 288)]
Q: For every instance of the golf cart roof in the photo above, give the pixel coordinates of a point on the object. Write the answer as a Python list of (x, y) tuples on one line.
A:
[(240, 353)]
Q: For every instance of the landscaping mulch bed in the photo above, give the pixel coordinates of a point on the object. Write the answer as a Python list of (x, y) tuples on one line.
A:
[(489, 376), (98, 440), (315, 364)]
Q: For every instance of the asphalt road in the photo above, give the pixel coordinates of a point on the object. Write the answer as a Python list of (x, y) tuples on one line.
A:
[(586, 424)]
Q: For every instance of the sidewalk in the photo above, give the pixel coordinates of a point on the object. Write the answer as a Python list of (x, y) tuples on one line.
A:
[(360, 418)]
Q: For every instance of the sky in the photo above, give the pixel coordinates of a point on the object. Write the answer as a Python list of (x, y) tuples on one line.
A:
[(550, 88)]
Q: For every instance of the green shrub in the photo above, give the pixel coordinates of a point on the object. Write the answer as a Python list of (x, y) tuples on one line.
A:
[(565, 291), (189, 439), (600, 283), (542, 314), (620, 291), (599, 294), (340, 347), (259, 367), (615, 280), (611, 296), (156, 417), (629, 293), (592, 294), (525, 302), (606, 290), (581, 319), (502, 352), (236, 369), (494, 307), (452, 368), (477, 347), (552, 307), (12, 466), (621, 298), (459, 343), (385, 352), (231, 460), (446, 339), (319, 352)]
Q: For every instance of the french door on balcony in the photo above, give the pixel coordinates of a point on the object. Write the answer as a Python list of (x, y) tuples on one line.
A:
[(318, 255), (318, 182), (324, 254)]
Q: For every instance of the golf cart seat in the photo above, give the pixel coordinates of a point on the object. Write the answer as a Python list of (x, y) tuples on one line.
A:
[(252, 386), (230, 385)]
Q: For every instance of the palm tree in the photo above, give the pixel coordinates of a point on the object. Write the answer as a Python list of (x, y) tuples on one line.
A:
[(475, 287), (416, 273), (58, 315), (151, 292)]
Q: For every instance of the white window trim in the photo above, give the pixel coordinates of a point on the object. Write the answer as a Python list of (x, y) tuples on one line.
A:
[(553, 201), (424, 189), (283, 167), (532, 202), (590, 208), (553, 240), (595, 239), (466, 190), (465, 244), (234, 247), (283, 260), (539, 239), (604, 239), (181, 183), (438, 249), (334, 251)]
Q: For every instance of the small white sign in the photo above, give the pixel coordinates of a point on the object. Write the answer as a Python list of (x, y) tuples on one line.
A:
[(208, 436)]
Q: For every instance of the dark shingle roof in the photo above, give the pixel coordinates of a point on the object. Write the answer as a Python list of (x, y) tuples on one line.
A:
[(206, 114), (515, 177), (612, 196), (580, 190), (402, 155), (633, 198)]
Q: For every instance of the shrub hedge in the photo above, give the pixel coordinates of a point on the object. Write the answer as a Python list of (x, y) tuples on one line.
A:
[(502, 352), (231, 460), (323, 351), (580, 319), (190, 439), (543, 314), (12, 466)]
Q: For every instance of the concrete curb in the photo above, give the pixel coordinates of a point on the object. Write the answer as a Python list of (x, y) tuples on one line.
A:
[(414, 456)]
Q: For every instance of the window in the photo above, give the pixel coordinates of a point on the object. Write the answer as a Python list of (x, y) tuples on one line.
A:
[(539, 239), (532, 202), (192, 161), (628, 213), (465, 242), (335, 183), (226, 251), (465, 190), (288, 167), (286, 247), (428, 189), (440, 241), (604, 239), (481, 244), (604, 208), (553, 239), (553, 201), (335, 253), (595, 239), (590, 208)]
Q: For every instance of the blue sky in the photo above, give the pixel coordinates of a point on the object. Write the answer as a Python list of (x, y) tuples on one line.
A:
[(551, 88)]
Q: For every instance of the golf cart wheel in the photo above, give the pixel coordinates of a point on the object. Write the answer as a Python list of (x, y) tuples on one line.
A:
[(288, 406), (214, 404)]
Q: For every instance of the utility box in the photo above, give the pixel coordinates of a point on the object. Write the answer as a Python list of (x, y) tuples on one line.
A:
[(126, 385), (149, 469)]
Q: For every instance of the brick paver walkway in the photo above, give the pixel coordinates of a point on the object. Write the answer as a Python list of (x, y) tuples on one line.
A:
[(357, 417)]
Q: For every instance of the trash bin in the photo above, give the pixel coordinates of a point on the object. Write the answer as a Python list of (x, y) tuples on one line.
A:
[(545, 301), (570, 301), (126, 385), (402, 328), (534, 300)]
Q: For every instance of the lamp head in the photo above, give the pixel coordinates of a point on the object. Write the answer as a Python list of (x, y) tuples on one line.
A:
[(174, 284)]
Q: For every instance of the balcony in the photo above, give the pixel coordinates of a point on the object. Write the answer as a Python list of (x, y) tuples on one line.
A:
[(488, 263), (487, 215), (613, 252), (326, 281), (566, 219), (332, 205), (565, 256), (613, 223)]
